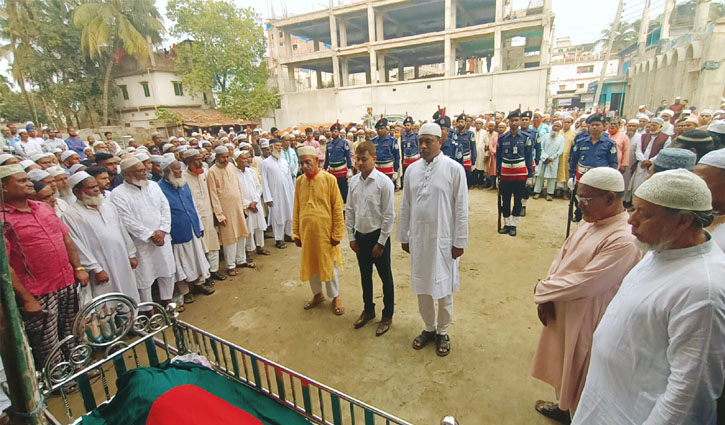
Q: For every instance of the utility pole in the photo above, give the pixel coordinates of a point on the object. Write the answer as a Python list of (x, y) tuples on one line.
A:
[(23, 385), (612, 36), (643, 30)]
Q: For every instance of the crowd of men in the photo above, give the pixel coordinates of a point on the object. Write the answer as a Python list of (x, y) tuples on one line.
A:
[(152, 220)]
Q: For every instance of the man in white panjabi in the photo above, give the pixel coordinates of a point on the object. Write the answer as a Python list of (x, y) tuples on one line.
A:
[(711, 168), (658, 355), (192, 269), (252, 192), (278, 191), (195, 177), (433, 229), (145, 213), (646, 149), (104, 246)]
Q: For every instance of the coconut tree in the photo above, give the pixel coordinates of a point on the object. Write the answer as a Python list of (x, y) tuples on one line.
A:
[(111, 27)]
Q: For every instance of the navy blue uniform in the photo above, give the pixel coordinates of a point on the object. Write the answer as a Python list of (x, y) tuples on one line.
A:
[(586, 155), (388, 155), (452, 149), (337, 162), (514, 164)]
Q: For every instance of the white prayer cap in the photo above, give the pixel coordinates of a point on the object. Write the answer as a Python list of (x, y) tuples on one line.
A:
[(306, 150), (167, 162), (26, 163), (142, 156), (229, 146), (36, 156), (668, 112), (430, 128), (641, 116), (142, 148), (181, 140), (323, 139), (22, 130), (4, 157), (156, 159), (642, 106), (182, 148), (263, 143), (221, 150), (191, 152), (77, 178), (714, 159), (155, 133), (244, 145), (75, 168), (633, 121), (479, 120), (9, 170), (604, 178), (99, 144), (56, 150), (692, 119), (658, 120), (130, 149), (55, 171), (717, 127), (168, 155), (236, 154), (67, 154), (172, 138), (678, 189), (129, 162), (205, 142), (706, 112), (37, 175), (167, 147)]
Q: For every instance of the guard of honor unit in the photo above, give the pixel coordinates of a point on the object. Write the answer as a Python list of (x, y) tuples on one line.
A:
[(519, 150)]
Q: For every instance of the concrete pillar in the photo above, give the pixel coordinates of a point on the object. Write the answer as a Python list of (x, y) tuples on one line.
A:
[(335, 60), (316, 45), (345, 81), (291, 83), (368, 77), (702, 13), (416, 71), (497, 51), (382, 71), (288, 43), (343, 33), (669, 7), (545, 52), (449, 50), (379, 27), (450, 15), (274, 40), (373, 69), (401, 73), (643, 29), (318, 74), (499, 11)]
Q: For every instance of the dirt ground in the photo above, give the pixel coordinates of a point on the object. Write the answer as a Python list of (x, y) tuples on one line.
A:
[(485, 379)]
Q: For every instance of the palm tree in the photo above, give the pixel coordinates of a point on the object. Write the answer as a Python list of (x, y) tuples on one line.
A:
[(627, 34), (111, 26)]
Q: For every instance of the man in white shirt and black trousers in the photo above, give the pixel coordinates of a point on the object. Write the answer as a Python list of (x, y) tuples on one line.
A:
[(369, 217)]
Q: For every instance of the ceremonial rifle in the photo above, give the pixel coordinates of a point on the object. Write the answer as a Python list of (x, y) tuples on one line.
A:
[(500, 201), (572, 204)]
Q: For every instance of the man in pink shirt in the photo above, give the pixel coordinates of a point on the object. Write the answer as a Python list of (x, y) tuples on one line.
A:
[(310, 141), (621, 139), (582, 281), (45, 263)]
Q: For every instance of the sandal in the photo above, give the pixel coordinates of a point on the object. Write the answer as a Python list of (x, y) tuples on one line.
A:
[(315, 301), (443, 345), (180, 308), (263, 252), (248, 265), (423, 339), (551, 410), (339, 310), (232, 272)]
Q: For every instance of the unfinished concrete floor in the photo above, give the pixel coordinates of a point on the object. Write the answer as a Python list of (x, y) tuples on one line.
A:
[(485, 379)]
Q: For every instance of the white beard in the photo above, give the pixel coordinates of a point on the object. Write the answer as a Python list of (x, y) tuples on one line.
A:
[(276, 155), (92, 201), (645, 247), (140, 183), (554, 133), (176, 182), (64, 193)]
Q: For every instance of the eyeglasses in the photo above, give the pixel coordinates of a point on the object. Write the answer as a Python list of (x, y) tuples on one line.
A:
[(582, 200)]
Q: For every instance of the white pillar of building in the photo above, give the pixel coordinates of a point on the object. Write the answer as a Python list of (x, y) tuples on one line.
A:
[(545, 53), (343, 33), (401, 73), (274, 40), (669, 7), (497, 51), (449, 50), (345, 81), (379, 27), (416, 71), (291, 83), (702, 13), (316, 45), (382, 71), (287, 43), (335, 60), (643, 30), (498, 14), (373, 70), (318, 75)]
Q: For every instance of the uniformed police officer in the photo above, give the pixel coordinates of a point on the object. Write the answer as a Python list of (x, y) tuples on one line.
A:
[(526, 127), (514, 164), (409, 144), (592, 148), (467, 145), (386, 149), (450, 147), (337, 159)]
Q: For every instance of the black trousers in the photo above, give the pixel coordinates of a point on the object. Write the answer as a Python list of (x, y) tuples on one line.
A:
[(402, 176), (511, 188), (479, 177), (342, 185), (469, 178), (365, 245)]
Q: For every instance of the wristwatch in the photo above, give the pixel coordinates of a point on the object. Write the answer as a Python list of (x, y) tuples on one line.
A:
[(80, 269)]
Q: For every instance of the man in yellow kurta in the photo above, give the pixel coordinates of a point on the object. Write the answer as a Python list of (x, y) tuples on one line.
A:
[(569, 133), (228, 205), (317, 227)]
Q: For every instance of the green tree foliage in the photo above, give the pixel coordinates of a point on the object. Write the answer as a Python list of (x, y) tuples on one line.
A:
[(223, 54), (111, 25)]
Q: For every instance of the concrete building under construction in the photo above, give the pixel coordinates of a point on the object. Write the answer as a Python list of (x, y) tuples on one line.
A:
[(401, 56)]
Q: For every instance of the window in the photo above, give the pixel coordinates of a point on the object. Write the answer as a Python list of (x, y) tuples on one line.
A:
[(294, 47), (146, 91), (584, 69), (124, 92), (178, 88), (580, 86), (562, 86), (281, 43)]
